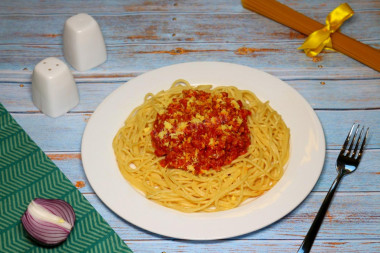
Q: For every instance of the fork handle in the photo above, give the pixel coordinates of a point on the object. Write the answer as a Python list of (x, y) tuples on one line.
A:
[(310, 236)]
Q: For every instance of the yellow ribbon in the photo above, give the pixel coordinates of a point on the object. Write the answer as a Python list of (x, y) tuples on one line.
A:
[(320, 39)]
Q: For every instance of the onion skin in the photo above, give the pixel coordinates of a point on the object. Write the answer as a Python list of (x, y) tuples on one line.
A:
[(43, 231)]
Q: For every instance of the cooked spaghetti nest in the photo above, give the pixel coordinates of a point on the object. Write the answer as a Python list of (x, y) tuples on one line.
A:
[(248, 176)]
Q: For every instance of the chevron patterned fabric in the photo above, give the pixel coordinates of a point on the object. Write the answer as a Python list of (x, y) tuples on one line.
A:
[(27, 173)]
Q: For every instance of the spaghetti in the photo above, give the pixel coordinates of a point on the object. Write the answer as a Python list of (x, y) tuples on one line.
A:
[(250, 173)]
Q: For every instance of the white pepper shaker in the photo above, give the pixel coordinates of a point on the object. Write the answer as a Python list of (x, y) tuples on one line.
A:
[(83, 43), (54, 90)]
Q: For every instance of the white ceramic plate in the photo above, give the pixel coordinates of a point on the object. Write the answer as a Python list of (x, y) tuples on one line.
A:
[(304, 166)]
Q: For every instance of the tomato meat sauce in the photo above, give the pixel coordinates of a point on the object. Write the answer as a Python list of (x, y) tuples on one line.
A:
[(201, 131)]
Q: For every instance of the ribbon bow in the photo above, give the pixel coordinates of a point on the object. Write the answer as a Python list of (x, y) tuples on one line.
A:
[(320, 39)]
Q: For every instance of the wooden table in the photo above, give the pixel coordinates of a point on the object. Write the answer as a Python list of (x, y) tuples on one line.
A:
[(145, 35)]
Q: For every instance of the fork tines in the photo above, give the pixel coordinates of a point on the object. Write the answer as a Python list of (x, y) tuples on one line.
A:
[(351, 141)]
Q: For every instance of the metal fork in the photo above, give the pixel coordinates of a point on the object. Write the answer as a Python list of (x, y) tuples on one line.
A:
[(347, 162)]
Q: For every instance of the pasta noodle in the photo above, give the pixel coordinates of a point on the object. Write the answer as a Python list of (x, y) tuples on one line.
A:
[(248, 176)]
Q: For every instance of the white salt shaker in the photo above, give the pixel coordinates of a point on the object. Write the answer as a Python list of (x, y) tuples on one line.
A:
[(83, 42), (54, 90)]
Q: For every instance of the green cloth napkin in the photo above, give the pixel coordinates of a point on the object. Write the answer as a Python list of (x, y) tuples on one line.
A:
[(27, 173)]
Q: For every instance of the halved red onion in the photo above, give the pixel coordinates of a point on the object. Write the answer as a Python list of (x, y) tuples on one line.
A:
[(48, 221)]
